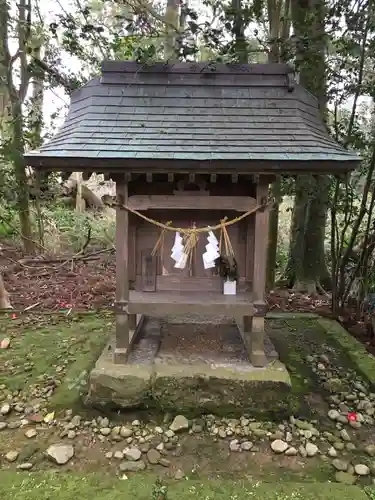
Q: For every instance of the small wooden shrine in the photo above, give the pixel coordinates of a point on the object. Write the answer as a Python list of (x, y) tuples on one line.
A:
[(193, 148)]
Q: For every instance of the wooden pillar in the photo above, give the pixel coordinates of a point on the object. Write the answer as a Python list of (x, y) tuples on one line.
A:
[(255, 324), (122, 273)]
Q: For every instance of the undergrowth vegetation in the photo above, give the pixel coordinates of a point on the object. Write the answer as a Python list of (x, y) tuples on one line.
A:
[(59, 229)]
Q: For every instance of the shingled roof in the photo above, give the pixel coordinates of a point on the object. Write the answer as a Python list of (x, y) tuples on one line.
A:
[(250, 117)]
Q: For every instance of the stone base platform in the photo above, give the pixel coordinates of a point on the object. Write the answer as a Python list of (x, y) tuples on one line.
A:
[(192, 368)]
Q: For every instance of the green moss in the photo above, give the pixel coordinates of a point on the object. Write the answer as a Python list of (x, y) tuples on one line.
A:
[(52, 347), (60, 486), (361, 359), (290, 339)]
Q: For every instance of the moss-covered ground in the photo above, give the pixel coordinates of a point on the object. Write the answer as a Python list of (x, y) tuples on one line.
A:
[(46, 369), (49, 486)]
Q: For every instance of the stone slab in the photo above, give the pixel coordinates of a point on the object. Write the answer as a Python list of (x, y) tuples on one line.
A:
[(195, 389), (124, 386)]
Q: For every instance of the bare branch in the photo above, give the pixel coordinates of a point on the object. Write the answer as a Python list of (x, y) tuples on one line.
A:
[(58, 77)]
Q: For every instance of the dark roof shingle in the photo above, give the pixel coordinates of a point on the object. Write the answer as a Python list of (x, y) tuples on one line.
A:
[(193, 112)]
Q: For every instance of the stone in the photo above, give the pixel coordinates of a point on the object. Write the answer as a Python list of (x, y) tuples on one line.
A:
[(169, 434), (3, 425), (345, 478), (125, 432), (105, 431), (132, 454), (12, 456), (362, 470), (355, 425), (254, 425), (334, 385), (153, 456), (338, 445), (75, 422), (179, 474), (303, 425), (71, 434), (164, 462), (324, 358), (109, 455), (104, 422), (333, 414), (5, 343), (25, 466), (340, 465), (30, 433), (291, 452), (332, 452), (345, 435), (360, 387), (222, 433), (279, 446), (118, 455), (129, 386), (370, 450), (5, 409), (131, 466), (159, 430), (246, 446), (234, 445), (180, 423), (60, 453), (302, 451), (311, 449)]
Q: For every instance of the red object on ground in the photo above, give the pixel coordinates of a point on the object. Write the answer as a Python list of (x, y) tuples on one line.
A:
[(14, 316), (352, 416)]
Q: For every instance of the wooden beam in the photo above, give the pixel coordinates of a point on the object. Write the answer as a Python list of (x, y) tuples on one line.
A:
[(168, 302), (199, 202), (122, 277), (254, 327), (260, 242)]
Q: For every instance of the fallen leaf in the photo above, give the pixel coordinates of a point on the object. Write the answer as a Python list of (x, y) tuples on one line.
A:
[(5, 343), (49, 417)]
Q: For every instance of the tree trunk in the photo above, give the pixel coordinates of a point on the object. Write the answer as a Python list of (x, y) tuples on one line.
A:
[(172, 15), (4, 296), (273, 231), (21, 177), (241, 53), (310, 212), (278, 12)]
